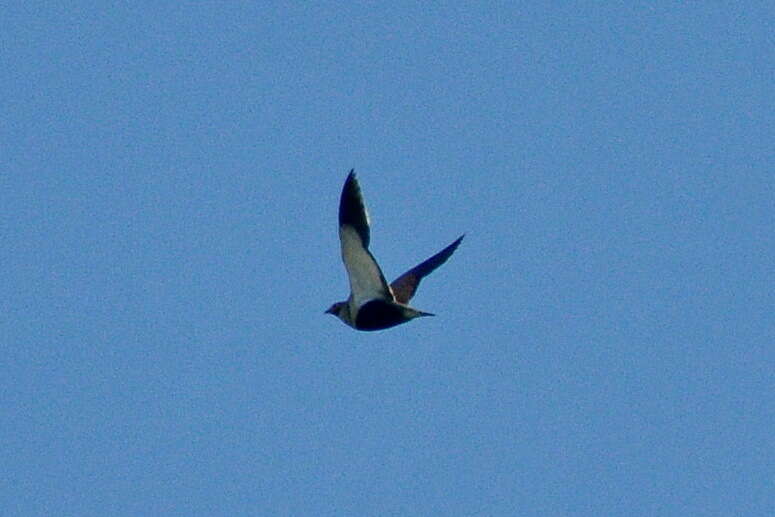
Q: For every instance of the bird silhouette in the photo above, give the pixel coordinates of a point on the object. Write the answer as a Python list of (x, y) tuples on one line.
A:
[(373, 304)]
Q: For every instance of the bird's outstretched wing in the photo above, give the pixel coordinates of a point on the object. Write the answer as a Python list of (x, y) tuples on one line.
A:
[(366, 279), (405, 285)]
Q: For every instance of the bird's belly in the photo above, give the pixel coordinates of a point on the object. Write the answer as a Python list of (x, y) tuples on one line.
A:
[(378, 315)]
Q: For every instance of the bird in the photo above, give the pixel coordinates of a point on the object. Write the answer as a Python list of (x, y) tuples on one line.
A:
[(374, 304)]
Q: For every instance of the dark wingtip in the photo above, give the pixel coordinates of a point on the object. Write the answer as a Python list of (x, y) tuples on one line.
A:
[(351, 178), (449, 250), (352, 209)]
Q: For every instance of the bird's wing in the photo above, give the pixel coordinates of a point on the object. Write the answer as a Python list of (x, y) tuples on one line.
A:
[(405, 285), (366, 279)]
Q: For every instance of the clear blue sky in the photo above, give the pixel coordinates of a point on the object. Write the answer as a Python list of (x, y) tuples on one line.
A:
[(604, 338)]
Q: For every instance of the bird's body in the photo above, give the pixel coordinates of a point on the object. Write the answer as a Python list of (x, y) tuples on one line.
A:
[(373, 304)]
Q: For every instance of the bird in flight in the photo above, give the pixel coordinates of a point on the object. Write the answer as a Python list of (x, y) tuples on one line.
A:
[(373, 304)]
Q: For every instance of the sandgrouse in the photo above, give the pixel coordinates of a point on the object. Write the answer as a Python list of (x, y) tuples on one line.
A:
[(373, 304)]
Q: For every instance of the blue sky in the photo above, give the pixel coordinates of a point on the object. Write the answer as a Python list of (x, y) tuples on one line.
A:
[(604, 335)]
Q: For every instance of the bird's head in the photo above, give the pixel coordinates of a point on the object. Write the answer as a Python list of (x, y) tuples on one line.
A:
[(341, 310), (334, 309)]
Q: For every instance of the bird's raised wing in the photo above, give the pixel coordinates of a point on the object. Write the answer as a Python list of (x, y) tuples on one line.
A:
[(366, 279), (405, 285)]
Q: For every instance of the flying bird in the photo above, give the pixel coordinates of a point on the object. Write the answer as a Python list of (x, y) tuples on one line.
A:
[(373, 304)]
